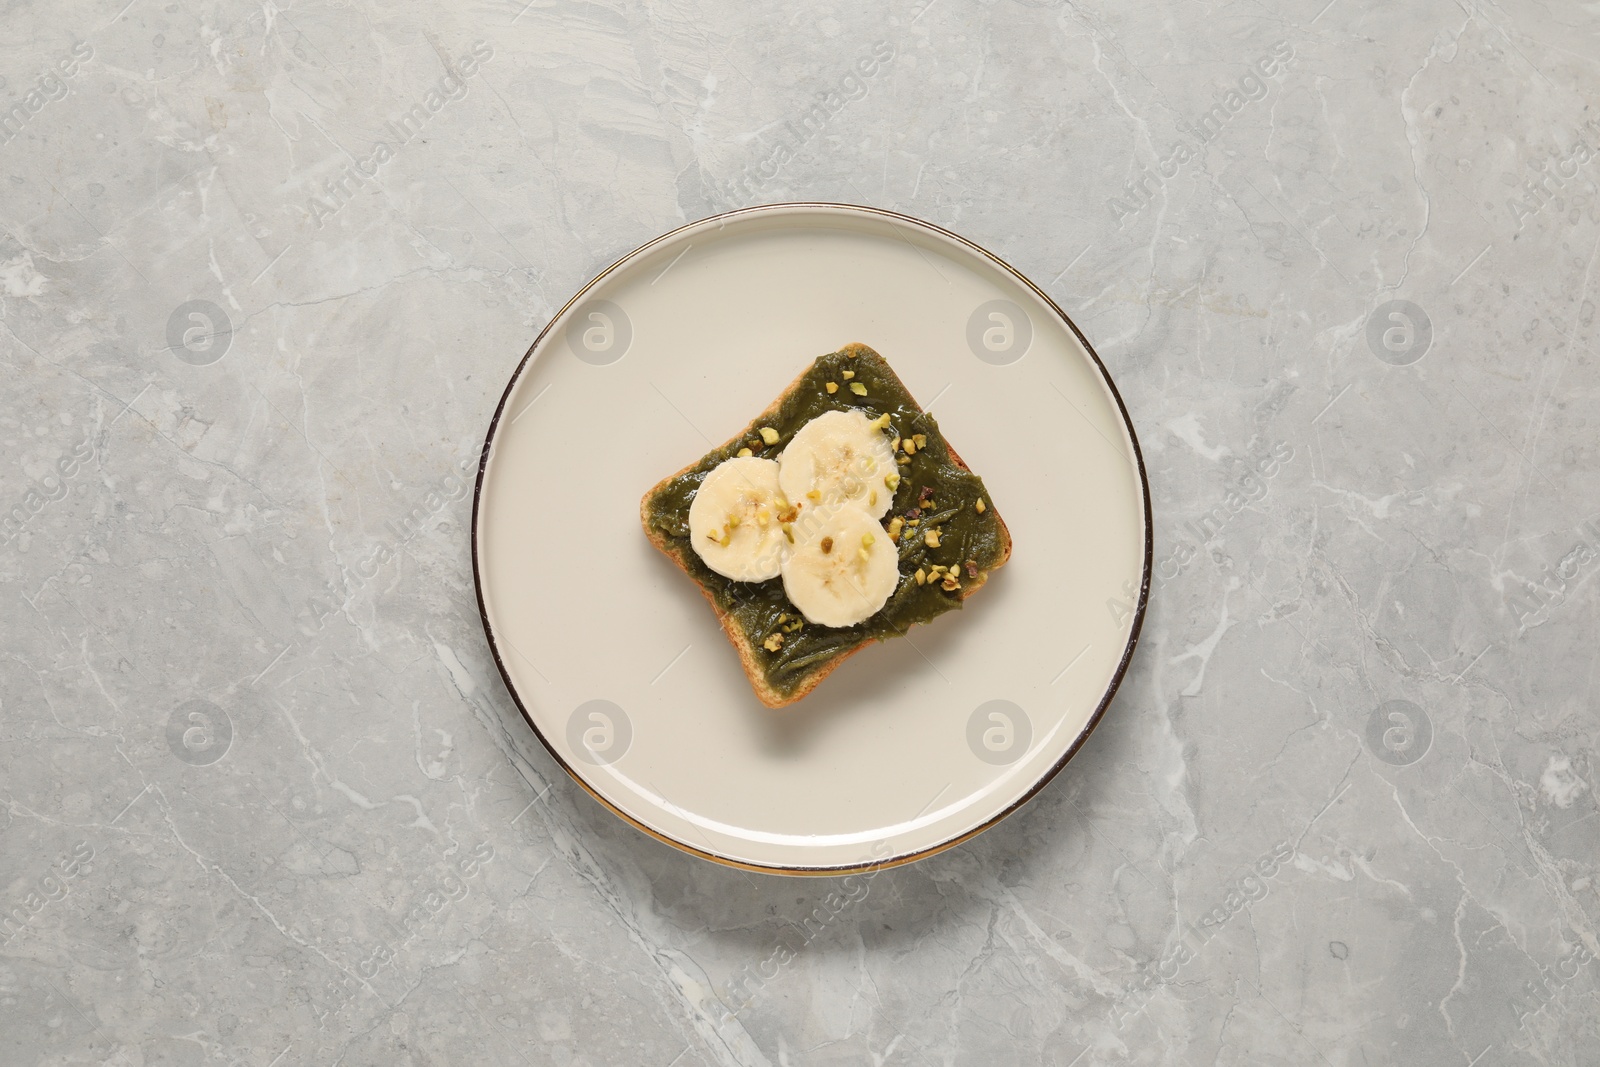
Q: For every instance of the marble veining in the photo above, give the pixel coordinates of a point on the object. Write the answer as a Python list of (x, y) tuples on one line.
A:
[(264, 272)]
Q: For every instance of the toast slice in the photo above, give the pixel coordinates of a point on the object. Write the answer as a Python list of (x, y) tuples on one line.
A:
[(936, 490)]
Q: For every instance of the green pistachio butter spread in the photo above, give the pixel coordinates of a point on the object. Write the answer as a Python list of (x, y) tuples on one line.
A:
[(934, 492)]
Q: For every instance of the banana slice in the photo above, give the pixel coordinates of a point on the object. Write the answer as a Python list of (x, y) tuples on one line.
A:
[(838, 457), (842, 566), (737, 519)]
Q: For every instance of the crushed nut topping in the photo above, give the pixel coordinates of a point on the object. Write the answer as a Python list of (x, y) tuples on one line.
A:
[(831, 387), (978, 507), (847, 375), (858, 389), (743, 452), (921, 576), (931, 537), (773, 643), (894, 528), (769, 435)]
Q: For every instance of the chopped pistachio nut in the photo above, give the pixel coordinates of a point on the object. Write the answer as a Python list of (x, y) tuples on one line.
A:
[(931, 537), (894, 527), (913, 522), (881, 422), (769, 435), (921, 439), (922, 576), (743, 452), (891, 481), (847, 375), (783, 617), (773, 643), (867, 540), (894, 444), (978, 507), (858, 389), (950, 584), (909, 445), (831, 387), (903, 460)]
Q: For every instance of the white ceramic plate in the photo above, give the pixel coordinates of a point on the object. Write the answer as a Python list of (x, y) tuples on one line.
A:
[(617, 661)]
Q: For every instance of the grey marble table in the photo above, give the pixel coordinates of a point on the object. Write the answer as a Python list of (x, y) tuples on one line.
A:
[(263, 797)]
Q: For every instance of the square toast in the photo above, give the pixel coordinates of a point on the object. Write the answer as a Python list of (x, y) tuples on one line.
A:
[(947, 532)]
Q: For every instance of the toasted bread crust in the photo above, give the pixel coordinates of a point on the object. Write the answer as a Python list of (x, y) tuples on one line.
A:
[(749, 654)]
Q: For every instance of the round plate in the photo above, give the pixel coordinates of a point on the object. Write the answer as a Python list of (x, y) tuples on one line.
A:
[(618, 662)]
